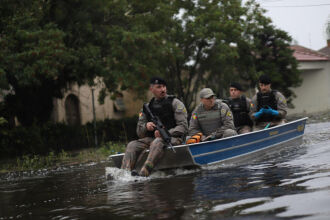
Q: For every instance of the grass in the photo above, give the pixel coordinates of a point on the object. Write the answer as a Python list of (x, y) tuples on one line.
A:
[(36, 162)]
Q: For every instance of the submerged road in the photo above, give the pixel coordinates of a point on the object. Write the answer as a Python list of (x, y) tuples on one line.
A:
[(290, 184)]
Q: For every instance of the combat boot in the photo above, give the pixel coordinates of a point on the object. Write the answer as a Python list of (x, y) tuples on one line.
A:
[(146, 169)]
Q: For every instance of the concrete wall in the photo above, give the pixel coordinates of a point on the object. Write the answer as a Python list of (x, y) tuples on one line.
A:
[(106, 110), (314, 94)]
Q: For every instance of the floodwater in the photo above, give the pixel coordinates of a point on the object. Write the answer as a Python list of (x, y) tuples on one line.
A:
[(291, 184)]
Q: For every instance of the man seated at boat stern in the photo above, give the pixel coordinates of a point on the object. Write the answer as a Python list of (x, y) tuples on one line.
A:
[(173, 115), (268, 107), (211, 119), (239, 104)]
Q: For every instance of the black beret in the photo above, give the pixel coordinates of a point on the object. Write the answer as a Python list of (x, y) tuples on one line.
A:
[(236, 85), (265, 79), (157, 80)]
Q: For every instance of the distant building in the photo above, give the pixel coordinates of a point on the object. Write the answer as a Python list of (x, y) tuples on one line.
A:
[(76, 107), (326, 49), (313, 95)]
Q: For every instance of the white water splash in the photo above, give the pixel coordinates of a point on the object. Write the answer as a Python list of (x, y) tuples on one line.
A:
[(121, 175)]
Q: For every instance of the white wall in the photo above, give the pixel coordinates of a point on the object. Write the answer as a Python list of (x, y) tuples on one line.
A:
[(313, 95)]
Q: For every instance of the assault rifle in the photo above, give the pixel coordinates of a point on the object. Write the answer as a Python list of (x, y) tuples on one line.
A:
[(159, 126)]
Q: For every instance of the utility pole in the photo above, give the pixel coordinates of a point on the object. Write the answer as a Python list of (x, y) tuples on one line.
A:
[(94, 119)]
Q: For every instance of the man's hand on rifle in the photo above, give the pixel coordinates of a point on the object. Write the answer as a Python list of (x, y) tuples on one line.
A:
[(157, 134), (150, 126)]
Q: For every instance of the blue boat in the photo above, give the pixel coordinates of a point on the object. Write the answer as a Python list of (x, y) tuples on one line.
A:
[(236, 149)]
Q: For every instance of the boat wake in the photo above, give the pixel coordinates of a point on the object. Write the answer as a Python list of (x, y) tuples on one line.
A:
[(120, 175)]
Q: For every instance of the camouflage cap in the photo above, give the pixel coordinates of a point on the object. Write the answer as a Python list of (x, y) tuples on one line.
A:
[(206, 93)]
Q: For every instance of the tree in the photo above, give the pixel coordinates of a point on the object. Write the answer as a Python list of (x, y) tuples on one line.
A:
[(46, 45), (33, 63), (215, 42), (327, 28), (210, 43), (137, 43), (270, 52), (50, 44), (199, 49)]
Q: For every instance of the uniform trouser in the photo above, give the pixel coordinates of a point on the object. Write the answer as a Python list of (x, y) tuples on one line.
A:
[(244, 129), (135, 148), (262, 125)]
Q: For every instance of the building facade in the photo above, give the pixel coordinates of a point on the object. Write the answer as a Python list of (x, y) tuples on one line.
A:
[(76, 107), (313, 95)]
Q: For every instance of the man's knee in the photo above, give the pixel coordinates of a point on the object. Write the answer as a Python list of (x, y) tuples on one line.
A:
[(158, 143), (131, 146), (245, 129), (229, 133)]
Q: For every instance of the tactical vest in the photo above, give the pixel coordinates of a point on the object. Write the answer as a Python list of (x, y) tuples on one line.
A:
[(164, 111), (240, 111), (264, 100), (209, 121)]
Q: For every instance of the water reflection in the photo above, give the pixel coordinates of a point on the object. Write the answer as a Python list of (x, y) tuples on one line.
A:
[(159, 197)]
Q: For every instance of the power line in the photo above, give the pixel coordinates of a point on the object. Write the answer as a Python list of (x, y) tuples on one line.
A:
[(295, 6)]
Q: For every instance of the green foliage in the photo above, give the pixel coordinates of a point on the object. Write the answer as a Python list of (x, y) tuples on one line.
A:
[(34, 162), (118, 130), (58, 138), (63, 158), (41, 139), (46, 45), (201, 51), (110, 148), (271, 52), (216, 42), (34, 61), (3, 121)]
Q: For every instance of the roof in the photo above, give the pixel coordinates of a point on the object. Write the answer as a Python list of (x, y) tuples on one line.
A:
[(325, 50), (305, 54)]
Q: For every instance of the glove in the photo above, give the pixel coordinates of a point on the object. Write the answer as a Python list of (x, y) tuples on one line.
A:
[(271, 111), (274, 112), (259, 113)]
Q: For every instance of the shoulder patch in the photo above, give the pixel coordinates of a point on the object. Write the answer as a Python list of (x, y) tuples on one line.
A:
[(194, 116), (181, 107), (223, 111), (228, 114), (283, 100), (140, 115)]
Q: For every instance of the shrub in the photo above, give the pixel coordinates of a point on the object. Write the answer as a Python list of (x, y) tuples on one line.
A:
[(55, 137)]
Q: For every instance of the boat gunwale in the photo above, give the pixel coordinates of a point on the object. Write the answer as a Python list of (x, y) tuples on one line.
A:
[(231, 137), (254, 151), (248, 143)]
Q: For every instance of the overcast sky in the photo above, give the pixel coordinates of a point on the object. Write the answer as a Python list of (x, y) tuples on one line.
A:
[(304, 20)]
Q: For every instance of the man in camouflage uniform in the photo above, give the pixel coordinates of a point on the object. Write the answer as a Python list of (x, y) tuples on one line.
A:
[(212, 118), (172, 113), (269, 106)]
